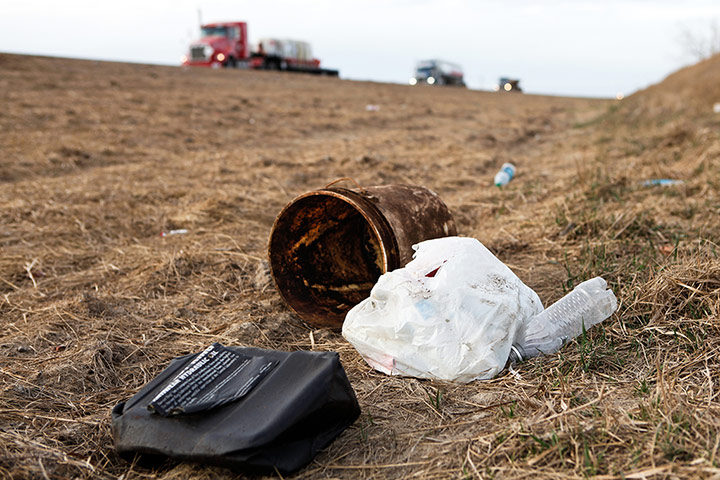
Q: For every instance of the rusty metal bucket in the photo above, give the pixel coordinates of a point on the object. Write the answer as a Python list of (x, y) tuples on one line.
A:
[(328, 247)]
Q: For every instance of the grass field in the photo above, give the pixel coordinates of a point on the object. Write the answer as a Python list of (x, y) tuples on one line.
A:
[(99, 158)]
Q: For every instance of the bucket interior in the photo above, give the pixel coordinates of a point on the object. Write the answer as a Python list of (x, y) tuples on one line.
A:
[(325, 257)]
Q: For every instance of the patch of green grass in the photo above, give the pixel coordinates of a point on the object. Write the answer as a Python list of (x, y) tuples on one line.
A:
[(675, 439), (590, 462), (510, 411), (365, 423), (588, 357), (435, 399), (642, 388), (543, 444)]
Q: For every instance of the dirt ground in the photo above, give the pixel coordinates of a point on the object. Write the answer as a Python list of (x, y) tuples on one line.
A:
[(99, 158)]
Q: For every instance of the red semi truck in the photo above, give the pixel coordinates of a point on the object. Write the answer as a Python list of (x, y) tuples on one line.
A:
[(222, 44), (225, 44)]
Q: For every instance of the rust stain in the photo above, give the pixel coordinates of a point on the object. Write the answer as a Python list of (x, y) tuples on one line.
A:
[(328, 247)]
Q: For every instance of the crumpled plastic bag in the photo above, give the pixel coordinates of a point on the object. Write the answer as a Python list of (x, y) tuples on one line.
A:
[(452, 313)]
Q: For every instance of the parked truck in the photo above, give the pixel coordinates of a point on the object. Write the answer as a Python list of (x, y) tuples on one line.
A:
[(225, 44), (438, 72)]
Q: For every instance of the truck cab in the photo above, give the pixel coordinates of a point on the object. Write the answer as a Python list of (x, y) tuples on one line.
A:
[(223, 44), (438, 72)]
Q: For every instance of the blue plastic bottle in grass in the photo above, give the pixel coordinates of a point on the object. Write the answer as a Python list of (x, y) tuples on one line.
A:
[(506, 173)]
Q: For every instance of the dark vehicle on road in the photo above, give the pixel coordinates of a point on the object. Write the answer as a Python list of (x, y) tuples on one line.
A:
[(438, 72)]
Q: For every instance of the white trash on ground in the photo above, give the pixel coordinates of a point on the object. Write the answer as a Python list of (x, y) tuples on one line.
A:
[(454, 313), (180, 231), (547, 332), (503, 177)]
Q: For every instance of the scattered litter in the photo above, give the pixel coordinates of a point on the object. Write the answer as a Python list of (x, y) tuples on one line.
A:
[(372, 108), (506, 173), (456, 312), (663, 182), (716, 108), (213, 378), (450, 314), (547, 332), (241, 408), (181, 231), (329, 246)]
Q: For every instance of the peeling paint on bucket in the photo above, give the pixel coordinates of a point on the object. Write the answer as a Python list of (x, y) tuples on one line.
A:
[(328, 247)]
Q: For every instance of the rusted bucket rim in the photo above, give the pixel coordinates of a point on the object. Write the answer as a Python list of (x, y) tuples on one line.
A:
[(377, 222)]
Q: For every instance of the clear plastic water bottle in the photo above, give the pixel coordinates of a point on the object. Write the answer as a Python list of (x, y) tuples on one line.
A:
[(506, 173), (588, 304)]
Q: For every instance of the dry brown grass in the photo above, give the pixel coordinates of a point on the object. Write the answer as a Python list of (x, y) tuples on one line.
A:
[(98, 159)]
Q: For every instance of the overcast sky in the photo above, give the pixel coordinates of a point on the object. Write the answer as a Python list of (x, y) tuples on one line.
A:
[(562, 47)]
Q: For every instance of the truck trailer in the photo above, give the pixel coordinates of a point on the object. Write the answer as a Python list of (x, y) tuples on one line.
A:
[(287, 55), (225, 44)]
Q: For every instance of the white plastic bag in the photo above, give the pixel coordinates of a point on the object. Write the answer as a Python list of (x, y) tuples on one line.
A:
[(452, 313)]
